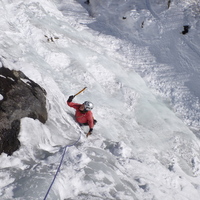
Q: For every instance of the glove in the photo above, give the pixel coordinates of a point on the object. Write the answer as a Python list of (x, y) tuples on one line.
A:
[(89, 133), (70, 98)]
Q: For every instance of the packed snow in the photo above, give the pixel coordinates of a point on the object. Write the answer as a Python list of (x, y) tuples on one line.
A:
[(141, 73)]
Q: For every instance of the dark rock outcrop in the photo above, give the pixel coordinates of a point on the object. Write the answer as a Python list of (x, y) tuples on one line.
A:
[(20, 97), (186, 29)]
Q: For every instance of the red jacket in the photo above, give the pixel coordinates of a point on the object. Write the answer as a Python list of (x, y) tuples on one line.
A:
[(82, 117)]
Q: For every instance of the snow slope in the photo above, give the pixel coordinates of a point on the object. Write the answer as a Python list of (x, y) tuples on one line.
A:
[(141, 74)]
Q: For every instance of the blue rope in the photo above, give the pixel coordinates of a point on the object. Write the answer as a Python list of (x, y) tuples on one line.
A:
[(65, 149)]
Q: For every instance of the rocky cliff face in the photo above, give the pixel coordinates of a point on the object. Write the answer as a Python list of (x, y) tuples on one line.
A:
[(19, 97)]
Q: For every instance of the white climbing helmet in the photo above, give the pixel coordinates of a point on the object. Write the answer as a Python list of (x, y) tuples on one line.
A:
[(88, 105)]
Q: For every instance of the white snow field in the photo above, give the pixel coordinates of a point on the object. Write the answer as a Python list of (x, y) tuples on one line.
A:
[(141, 73)]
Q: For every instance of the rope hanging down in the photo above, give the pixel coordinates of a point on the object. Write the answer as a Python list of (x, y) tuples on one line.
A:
[(65, 150)]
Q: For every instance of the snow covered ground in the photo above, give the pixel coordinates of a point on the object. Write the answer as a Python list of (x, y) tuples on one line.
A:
[(141, 73)]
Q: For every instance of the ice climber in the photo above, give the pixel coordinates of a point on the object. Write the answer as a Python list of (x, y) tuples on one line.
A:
[(83, 113)]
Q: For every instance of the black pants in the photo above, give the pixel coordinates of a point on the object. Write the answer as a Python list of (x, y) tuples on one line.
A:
[(86, 124)]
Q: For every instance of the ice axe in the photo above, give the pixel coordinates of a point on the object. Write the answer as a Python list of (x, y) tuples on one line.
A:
[(72, 96), (80, 91)]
